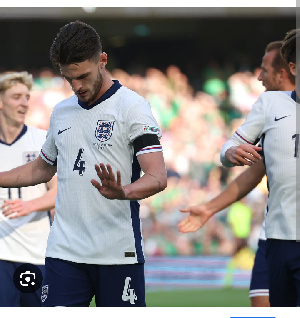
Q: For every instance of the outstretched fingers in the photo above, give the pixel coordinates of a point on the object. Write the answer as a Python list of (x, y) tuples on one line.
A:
[(119, 180), (183, 223), (110, 175), (99, 171), (96, 184), (186, 226), (104, 173)]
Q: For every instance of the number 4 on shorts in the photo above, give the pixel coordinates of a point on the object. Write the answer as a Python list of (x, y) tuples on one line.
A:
[(128, 293)]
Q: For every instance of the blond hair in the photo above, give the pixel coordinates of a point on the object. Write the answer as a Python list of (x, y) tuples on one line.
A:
[(7, 80)]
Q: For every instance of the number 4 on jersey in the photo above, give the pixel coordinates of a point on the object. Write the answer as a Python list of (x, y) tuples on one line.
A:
[(128, 293), (79, 164)]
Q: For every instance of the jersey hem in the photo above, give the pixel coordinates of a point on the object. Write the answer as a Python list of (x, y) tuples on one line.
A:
[(93, 261), (28, 261)]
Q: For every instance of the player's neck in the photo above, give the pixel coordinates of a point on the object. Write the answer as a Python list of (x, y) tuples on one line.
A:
[(288, 87), (9, 133)]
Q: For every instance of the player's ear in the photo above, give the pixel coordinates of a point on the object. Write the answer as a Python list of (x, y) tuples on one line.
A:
[(292, 67), (283, 74), (103, 59)]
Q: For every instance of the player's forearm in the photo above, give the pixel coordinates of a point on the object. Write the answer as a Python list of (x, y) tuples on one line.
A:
[(45, 202), (30, 174), (238, 188), (22, 176), (149, 184), (224, 199)]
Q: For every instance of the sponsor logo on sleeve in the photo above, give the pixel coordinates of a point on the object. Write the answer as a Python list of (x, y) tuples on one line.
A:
[(150, 129)]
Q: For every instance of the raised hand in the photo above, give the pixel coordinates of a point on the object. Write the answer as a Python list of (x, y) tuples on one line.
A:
[(110, 188), (199, 215), (244, 154)]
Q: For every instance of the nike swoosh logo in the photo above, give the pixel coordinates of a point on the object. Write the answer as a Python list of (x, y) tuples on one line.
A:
[(61, 131), (276, 119)]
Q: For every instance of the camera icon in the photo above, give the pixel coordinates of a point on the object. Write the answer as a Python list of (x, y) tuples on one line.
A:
[(27, 278)]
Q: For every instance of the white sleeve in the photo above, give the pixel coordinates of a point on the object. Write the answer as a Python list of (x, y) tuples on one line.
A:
[(49, 150), (252, 128), (249, 132), (140, 121)]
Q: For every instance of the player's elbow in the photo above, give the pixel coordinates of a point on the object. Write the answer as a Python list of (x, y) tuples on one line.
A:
[(163, 181), (49, 174), (47, 178)]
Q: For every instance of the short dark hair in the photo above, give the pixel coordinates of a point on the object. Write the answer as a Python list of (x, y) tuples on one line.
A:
[(278, 62), (75, 42), (288, 50)]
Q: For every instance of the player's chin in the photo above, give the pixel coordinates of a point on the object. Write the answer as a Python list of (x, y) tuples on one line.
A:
[(84, 97)]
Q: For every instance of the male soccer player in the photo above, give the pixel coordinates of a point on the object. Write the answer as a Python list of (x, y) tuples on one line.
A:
[(24, 220), (273, 119), (95, 244), (275, 75)]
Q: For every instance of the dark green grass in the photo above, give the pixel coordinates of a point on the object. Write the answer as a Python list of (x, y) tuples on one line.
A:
[(226, 297)]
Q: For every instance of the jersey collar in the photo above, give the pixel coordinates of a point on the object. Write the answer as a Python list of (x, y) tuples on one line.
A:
[(18, 137), (116, 85), (295, 97)]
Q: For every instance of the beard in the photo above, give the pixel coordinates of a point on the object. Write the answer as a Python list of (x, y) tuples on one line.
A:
[(96, 88)]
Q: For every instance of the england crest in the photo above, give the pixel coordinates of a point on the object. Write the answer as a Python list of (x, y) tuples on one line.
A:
[(29, 156), (104, 130)]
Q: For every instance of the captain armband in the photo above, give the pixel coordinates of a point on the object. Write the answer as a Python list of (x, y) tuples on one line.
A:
[(146, 143)]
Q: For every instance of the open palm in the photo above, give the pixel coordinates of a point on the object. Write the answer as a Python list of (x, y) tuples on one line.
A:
[(110, 188)]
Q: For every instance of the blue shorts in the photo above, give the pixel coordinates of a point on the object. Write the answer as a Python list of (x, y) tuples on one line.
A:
[(10, 296), (74, 284), (259, 285), (283, 259)]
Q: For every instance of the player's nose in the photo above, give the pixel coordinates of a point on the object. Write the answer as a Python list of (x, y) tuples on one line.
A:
[(24, 101), (76, 84), (260, 77)]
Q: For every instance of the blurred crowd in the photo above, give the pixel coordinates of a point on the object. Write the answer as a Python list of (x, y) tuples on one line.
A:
[(195, 124)]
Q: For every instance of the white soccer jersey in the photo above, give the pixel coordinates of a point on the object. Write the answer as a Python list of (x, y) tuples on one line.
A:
[(89, 228), (262, 232), (23, 239), (273, 118)]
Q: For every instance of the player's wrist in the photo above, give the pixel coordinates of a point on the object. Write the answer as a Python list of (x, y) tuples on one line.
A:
[(125, 193), (230, 153), (31, 206), (211, 208), (229, 157)]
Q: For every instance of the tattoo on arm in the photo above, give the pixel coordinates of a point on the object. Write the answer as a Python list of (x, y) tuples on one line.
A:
[(159, 185)]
